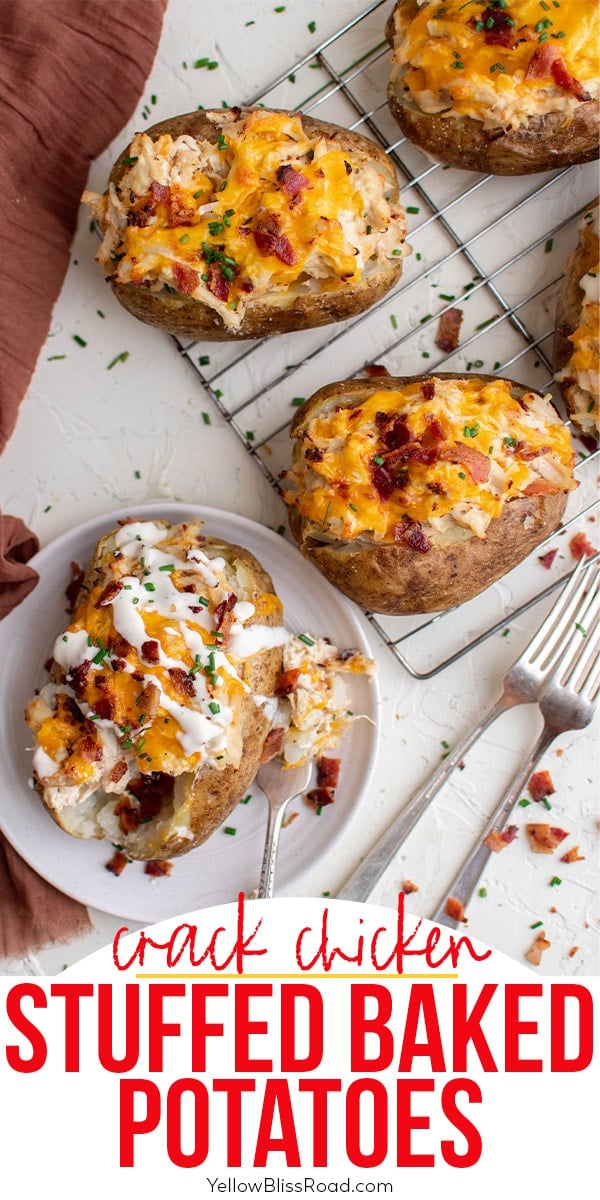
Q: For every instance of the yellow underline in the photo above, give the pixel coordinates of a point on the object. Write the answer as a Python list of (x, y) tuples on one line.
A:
[(215, 975)]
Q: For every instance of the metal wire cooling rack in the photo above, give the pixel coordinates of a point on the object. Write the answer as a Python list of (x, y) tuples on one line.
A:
[(494, 246)]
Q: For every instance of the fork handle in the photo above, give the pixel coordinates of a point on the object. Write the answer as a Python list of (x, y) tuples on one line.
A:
[(361, 883), (465, 881), (274, 826)]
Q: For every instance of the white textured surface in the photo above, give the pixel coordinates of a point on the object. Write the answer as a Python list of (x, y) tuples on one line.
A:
[(84, 434)]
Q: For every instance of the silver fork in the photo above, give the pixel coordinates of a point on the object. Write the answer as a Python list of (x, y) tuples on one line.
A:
[(521, 685), (568, 700), (280, 785)]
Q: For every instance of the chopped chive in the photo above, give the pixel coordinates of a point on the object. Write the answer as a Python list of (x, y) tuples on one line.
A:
[(546, 803), (580, 629), (80, 341), (536, 924), (482, 892), (122, 357), (379, 461), (204, 360), (185, 237), (214, 707), (230, 829), (445, 744), (549, 245), (55, 357), (312, 26), (222, 143), (394, 321), (413, 209), (246, 799), (555, 881), (167, 567), (206, 418), (505, 632), (128, 162), (297, 401), (484, 324), (303, 637), (353, 507), (445, 296), (524, 803), (250, 435), (149, 587), (203, 601), (196, 666)]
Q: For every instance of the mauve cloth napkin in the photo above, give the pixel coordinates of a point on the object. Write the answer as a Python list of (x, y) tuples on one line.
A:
[(71, 73)]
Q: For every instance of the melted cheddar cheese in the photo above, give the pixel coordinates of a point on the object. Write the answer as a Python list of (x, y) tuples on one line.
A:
[(261, 209), (498, 61), (438, 455)]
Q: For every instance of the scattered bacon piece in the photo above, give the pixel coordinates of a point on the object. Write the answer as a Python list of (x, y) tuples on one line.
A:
[(104, 707), (183, 683), (129, 816), (288, 820), (73, 588), (319, 797), (150, 790), (292, 181), (272, 744), (580, 546), (572, 855), (449, 329), (534, 954), (428, 389), (157, 868), (528, 455), (328, 772), (179, 213), (185, 278), (119, 645), (383, 482), (111, 591), (455, 909), (563, 79), (313, 454), (78, 676), (160, 191), (149, 698), (217, 284), (541, 785), (545, 838), (150, 651), (541, 61), (118, 771), (287, 682), (416, 539), (498, 840), (89, 749), (226, 606), (375, 371), (548, 558), (541, 487), (573, 951), (270, 241), (408, 887), (476, 463), (500, 33), (117, 863)]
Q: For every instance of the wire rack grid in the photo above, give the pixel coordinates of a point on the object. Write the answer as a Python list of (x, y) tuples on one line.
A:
[(494, 246)]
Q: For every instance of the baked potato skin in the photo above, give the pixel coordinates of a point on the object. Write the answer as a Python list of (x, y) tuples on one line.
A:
[(543, 144), (207, 797), (186, 317), (394, 579), (568, 311)]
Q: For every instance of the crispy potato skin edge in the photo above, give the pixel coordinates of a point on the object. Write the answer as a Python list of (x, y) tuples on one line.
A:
[(568, 311), (396, 580), (185, 317), (544, 144)]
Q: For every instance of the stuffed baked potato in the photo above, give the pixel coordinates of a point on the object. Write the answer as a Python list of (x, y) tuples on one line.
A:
[(154, 723), (505, 86), (241, 223), (414, 494), (577, 329)]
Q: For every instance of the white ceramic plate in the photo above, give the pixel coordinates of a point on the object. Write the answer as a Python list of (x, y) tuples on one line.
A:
[(215, 872)]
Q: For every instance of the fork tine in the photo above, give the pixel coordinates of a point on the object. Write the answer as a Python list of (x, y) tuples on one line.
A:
[(582, 643), (587, 660), (549, 638)]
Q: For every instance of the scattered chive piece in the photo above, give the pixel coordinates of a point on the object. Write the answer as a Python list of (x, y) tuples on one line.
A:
[(427, 317), (378, 460), (524, 803), (149, 587), (196, 666), (505, 632), (555, 881), (204, 360), (580, 629), (230, 829), (497, 366), (80, 341), (127, 162), (250, 435), (418, 256), (394, 321), (413, 209), (484, 324), (461, 475), (100, 313), (47, 508), (303, 637), (483, 893), (203, 601), (281, 530), (185, 237), (318, 810), (167, 567), (425, 354), (218, 393), (292, 78), (56, 357), (280, 8), (138, 475), (297, 401), (549, 245), (246, 799), (214, 707), (206, 418), (122, 357), (312, 26), (353, 507), (536, 924), (446, 745), (445, 296), (546, 803)]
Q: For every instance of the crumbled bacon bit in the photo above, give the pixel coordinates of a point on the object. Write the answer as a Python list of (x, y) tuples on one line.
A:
[(476, 463), (217, 284), (160, 191), (541, 487), (545, 838), (118, 771), (548, 558), (428, 389), (383, 482), (573, 951), (328, 772), (563, 79), (416, 539), (580, 546), (186, 280), (78, 676), (455, 909), (269, 240), (179, 212), (313, 454), (150, 651), (226, 606), (288, 820), (272, 744), (151, 790), (292, 181), (287, 682), (572, 855), (183, 683), (541, 61), (408, 887), (375, 371), (119, 645), (73, 588), (498, 840), (129, 816), (111, 591), (89, 749), (449, 329), (534, 954), (117, 863), (104, 707), (149, 698), (540, 785), (500, 32), (319, 797), (157, 868)]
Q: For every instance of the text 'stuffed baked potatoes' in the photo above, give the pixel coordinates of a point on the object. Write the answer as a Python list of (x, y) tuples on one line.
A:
[(577, 329), (154, 723), (414, 494), (240, 223), (505, 86)]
